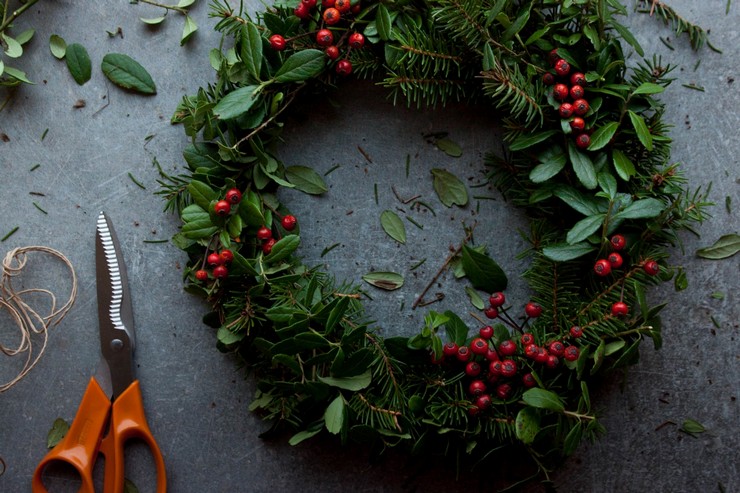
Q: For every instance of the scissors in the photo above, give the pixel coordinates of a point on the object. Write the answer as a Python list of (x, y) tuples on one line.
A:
[(103, 424)]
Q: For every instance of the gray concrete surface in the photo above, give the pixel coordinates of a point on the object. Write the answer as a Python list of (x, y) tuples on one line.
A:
[(197, 400)]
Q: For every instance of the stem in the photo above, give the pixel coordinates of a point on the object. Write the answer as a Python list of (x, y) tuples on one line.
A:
[(9, 20), (579, 416), (266, 122), (183, 11)]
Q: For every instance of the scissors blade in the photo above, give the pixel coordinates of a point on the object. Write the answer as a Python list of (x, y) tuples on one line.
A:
[(115, 314)]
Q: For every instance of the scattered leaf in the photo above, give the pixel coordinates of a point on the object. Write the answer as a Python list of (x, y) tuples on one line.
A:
[(482, 271), (78, 63), (187, 32), (450, 190), (58, 46), (152, 21), (384, 280), (449, 147), (129, 486), (393, 226), (127, 73), (13, 48), (57, 432), (334, 415), (725, 247), (692, 427), (306, 180), (475, 298)]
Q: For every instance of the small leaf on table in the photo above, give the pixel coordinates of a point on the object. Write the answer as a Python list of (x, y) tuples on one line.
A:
[(78, 63), (127, 73), (449, 147), (384, 280), (393, 226), (57, 432), (725, 247), (450, 190), (58, 46)]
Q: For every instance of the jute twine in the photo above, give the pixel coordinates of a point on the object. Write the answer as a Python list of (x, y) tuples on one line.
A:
[(32, 327)]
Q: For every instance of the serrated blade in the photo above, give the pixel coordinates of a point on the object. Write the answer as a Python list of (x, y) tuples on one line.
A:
[(115, 313)]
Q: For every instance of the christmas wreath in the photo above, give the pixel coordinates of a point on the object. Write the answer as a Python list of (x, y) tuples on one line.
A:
[(587, 159)]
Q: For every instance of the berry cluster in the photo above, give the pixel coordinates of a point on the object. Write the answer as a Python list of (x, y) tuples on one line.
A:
[(603, 267), (495, 369), (264, 234), (218, 262), (330, 13), (222, 207), (569, 90)]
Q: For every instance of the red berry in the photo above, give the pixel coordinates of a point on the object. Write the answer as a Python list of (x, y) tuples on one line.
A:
[(479, 346), (560, 92), (233, 196), (620, 309), (302, 11), (222, 208), (577, 92), (356, 40), (581, 107), (530, 350), (472, 369), (277, 41), (267, 246), (532, 309), (542, 355), (615, 260), (565, 110), (552, 361), (483, 401), (289, 222), (220, 272), (556, 348), (214, 259), (577, 79), (264, 233), (495, 367), (577, 124), (344, 67), (201, 275), (473, 410), (463, 353), (491, 355), (503, 391), (497, 299), (332, 16), (324, 37), (571, 353), (355, 9), (327, 3), (651, 267), (491, 312), (450, 349), (332, 52), (528, 380), (548, 79), (583, 141), (507, 348), (486, 332), (477, 387), (508, 368), (227, 256), (618, 242), (562, 68), (342, 5), (527, 339), (602, 267), (576, 331), (553, 57), (309, 3)]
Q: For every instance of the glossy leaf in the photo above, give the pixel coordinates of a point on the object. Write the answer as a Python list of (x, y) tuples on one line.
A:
[(563, 252), (188, 30), (301, 66), (306, 179), (482, 271), (389, 281), (551, 164), (334, 415), (475, 298), (450, 190), (727, 246), (582, 166), (602, 136), (153, 21), (283, 248), (354, 384), (456, 329), (251, 50), (573, 439), (543, 399), (202, 194), (384, 22), (57, 46), (393, 226), (638, 123), (78, 63), (622, 164), (584, 228), (236, 103), (641, 209), (527, 424), (527, 140), (303, 435), (648, 88), (449, 147), (127, 73)]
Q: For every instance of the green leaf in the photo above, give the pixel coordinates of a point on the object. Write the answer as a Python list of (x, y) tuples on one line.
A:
[(283, 248), (551, 164), (608, 184), (543, 399), (334, 415), (250, 50), (475, 298), (517, 25), (197, 223), (13, 48), (563, 252), (353, 384), (237, 102), (573, 439), (526, 140), (129, 486), (527, 424), (188, 30), (57, 432), (638, 123), (482, 271), (301, 66), (25, 36), (183, 4), (692, 426), (306, 179), (227, 337), (582, 166), (628, 37), (641, 209), (384, 22), (153, 21), (449, 188), (648, 88), (622, 164), (602, 136), (727, 246), (202, 194), (389, 281), (58, 46), (78, 63), (17, 74), (393, 226), (584, 203), (127, 73), (455, 328), (584, 228), (303, 435), (449, 147)]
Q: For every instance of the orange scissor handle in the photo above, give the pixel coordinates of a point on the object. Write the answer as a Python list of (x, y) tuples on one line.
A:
[(79, 448), (128, 421)]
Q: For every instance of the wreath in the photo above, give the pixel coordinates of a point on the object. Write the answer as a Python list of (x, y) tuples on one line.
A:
[(587, 160)]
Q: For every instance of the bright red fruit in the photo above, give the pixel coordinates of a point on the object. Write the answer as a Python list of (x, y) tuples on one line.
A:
[(324, 37), (264, 233), (356, 40), (618, 242), (532, 309), (620, 309), (602, 267), (651, 267), (220, 272), (344, 67), (615, 260), (233, 196), (222, 208), (289, 222), (201, 275)]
